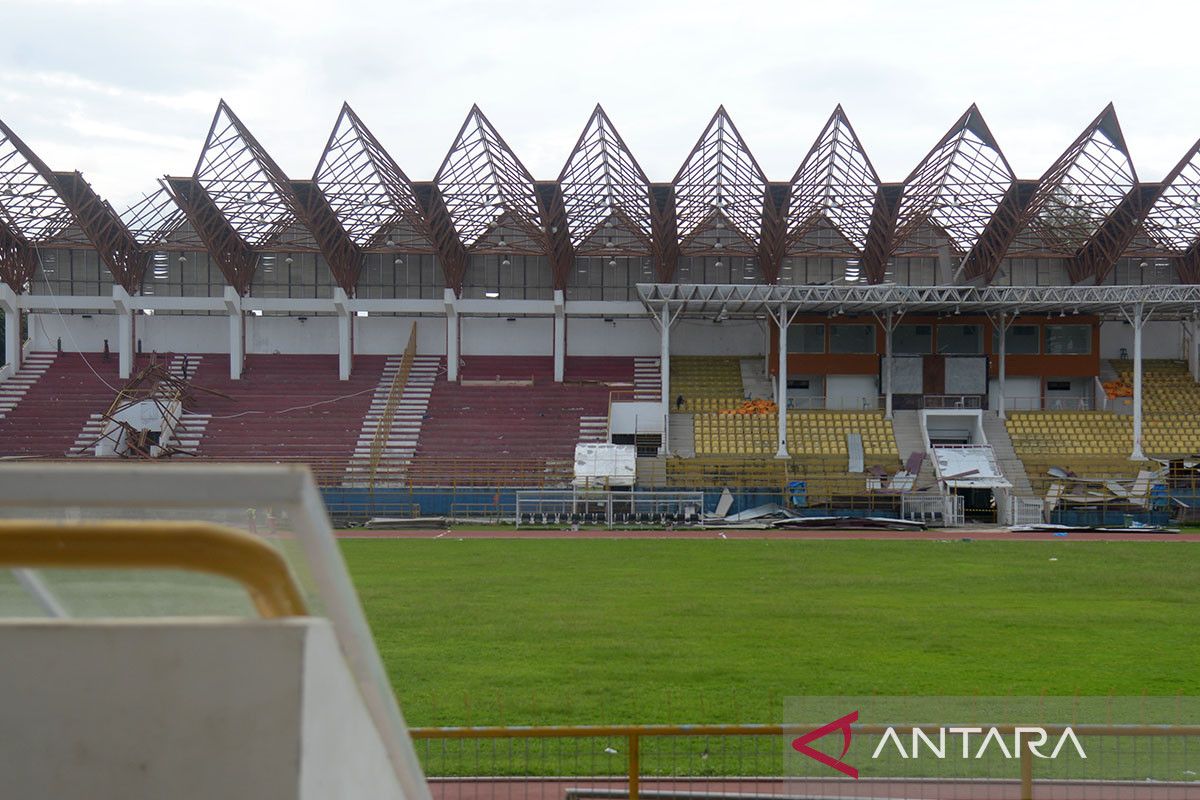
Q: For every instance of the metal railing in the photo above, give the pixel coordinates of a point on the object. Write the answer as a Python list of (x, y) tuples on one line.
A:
[(938, 401), (747, 762), (395, 392), (193, 546)]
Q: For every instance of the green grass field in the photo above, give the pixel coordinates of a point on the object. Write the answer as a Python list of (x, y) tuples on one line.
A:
[(603, 631)]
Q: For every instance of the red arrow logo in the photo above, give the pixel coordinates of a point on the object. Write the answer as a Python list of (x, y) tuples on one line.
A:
[(800, 744)]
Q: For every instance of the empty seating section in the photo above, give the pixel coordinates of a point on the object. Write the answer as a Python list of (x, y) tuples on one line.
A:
[(1167, 388), (519, 434), (736, 450), (808, 432), (1093, 444), (54, 410), (285, 407), (706, 383)]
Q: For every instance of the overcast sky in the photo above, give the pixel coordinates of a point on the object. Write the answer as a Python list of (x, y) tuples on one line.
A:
[(125, 91)]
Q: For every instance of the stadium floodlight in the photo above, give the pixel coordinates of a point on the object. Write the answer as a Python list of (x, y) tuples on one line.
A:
[(491, 295)]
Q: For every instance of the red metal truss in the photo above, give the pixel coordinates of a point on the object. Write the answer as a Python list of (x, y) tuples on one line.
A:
[(488, 194), (30, 206), (343, 256), (1082, 190), (877, 252), (122, 253), (18, 259), (955, 190), (236, 259), (366, 189), (606, 195), (720, 194), (153, 219), (833, 189), (243, 182), (45, 207), (993, 244), (450, 250), (1172, 223)]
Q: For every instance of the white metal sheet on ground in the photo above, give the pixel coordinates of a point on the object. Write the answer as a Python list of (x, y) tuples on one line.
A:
[(605, 464), (973, 466)]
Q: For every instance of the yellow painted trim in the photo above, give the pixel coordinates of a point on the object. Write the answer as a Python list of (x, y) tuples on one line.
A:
[(193, 546)]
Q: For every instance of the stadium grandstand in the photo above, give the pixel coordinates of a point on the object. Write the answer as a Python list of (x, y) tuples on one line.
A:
[(961, 343)]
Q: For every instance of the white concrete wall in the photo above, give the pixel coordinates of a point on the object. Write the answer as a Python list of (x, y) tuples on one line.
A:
[(389, 335), (851, 391), (592, 336), (78, 334), (1020, 392), (706, 338), (496, 336), (187, 710), (1160, 339)]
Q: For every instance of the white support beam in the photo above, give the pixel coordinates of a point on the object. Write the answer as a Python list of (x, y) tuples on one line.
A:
[(1001, 327), (664, 367), (12, 327), (237, 332), (1194, 347), (1138, 320), (560, 335), (345, 326), (781, 393), (452, 335), (124, 331), (889, 327)]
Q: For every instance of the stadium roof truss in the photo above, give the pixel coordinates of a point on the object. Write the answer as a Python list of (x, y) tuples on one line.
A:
[(153, 219), (1172, 222), (721, 198), (833, 189), (40, 207), (955, 191), (608, 201), (1168, 301), (485, 186), (244, 184), (359, 199), (1088, 206)]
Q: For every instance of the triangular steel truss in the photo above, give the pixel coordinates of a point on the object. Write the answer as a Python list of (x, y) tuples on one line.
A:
[(607, 196), (834, 187), (957, 188), (482, 180), (243, 182), (720, 184), (1083, 188), (365, 188)]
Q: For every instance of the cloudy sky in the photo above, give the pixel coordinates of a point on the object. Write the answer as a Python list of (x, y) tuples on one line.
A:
[(125, 91)]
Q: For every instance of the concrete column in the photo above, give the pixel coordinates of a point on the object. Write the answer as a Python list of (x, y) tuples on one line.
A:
[(12, 327), (1138, 454), (781, 393), (1003, 365), (1194, 348), (345, 333), (560, 334), (451, 336), (665, 371), (237, 332), (887, 365), (124, 332)]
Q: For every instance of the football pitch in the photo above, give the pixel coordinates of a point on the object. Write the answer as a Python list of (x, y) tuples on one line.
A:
[(518, 632)]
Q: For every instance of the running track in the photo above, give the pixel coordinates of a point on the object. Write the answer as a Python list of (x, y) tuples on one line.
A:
[(989, 534)]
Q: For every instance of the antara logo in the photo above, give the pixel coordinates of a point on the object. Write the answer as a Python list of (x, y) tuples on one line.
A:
[(1032, 738)]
